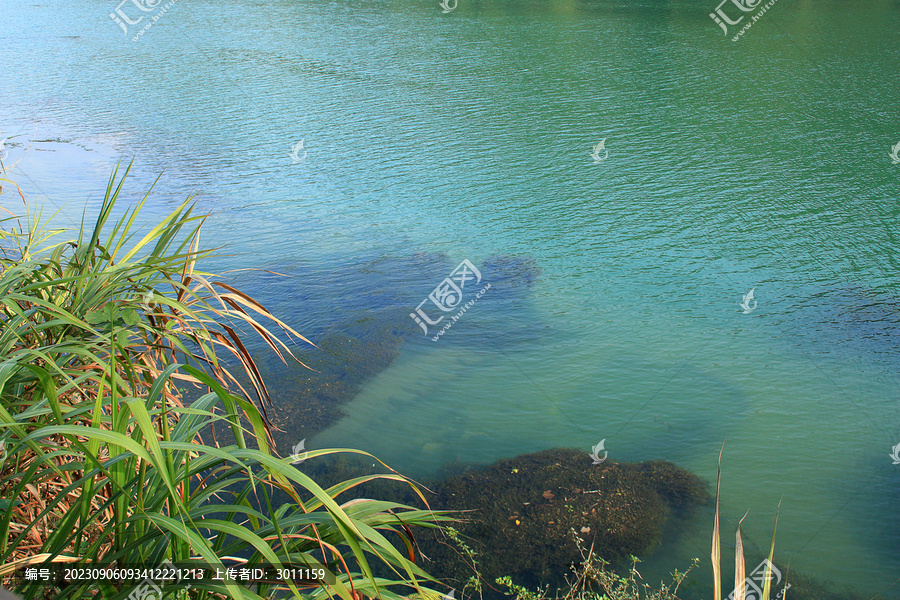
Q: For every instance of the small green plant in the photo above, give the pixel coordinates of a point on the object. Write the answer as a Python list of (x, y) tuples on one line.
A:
[(474, 582), (520, 592), (594, 579)]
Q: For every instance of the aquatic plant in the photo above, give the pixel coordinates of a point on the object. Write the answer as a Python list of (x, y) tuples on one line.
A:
[(102, 459), (512, 276), (524, 509), (591, 578)]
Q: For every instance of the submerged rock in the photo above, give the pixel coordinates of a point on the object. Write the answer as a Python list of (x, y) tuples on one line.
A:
[(525, 509)]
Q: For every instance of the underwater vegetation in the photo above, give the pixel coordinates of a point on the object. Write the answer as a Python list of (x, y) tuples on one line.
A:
[(511, 277), (517, 518), (304, 401), (850, 322), (360, 321), (526, 507), (521, 511)]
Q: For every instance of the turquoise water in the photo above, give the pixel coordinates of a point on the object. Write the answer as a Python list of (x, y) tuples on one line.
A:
[(762, 163)]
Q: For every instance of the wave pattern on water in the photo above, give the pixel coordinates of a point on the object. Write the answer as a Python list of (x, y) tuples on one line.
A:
[(757, 165)]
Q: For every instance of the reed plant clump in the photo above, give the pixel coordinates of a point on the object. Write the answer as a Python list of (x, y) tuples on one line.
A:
[(102, 458), (740, 567)]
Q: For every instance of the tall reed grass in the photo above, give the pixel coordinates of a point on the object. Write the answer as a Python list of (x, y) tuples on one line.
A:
[(740, 568), (103, 459)]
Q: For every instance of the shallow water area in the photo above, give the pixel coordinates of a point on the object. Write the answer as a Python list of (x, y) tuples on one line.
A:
[(430, 138)]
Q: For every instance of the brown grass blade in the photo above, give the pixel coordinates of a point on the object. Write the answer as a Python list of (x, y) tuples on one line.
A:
[(248, 301), (716, 554), (34, 559), (767, 587), (740, 569)]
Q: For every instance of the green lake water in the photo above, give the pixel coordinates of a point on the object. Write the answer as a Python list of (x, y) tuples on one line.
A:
[(728, 166)]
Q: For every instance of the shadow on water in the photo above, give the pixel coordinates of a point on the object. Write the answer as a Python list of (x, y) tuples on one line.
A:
[(358, 315), (850, 323)]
